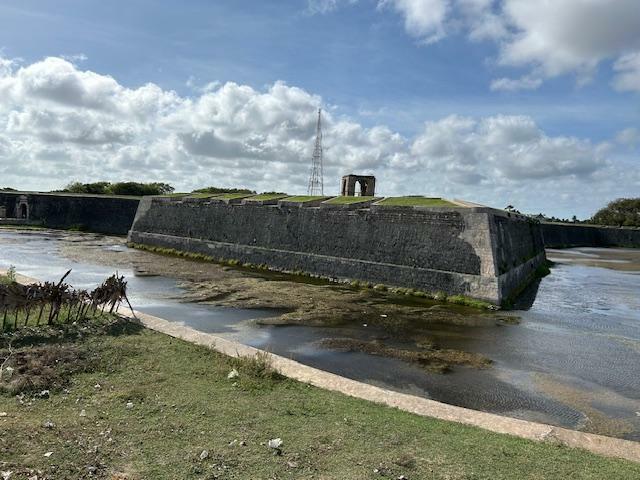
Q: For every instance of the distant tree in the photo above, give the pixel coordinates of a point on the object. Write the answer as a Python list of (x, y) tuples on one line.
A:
[(511, 208), (140, 189), (223, 190), (97, 188), (623, 212), (120, 188), (8, 189)]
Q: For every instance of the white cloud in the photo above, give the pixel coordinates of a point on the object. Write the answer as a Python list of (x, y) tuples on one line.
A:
[(571, 35), (628, 68), (423, 19), (482, 21), (548, 37), (326, 6), (629, 136), (511, 84), (501, 150), (59, 123)]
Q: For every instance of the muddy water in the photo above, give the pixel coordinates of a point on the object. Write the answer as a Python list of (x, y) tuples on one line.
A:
[(573, 359)]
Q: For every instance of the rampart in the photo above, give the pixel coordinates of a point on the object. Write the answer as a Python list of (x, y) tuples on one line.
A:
[(474, 251), (564, 235), (96, 213)]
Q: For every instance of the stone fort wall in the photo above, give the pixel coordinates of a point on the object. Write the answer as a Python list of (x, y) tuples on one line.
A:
[(564, 235), (96, 213), (478, 252)]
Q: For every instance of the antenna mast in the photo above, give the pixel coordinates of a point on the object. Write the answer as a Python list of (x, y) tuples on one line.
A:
[(316, 182)]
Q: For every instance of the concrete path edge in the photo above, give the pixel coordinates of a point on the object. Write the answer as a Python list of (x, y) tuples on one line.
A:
[(608, 446), (599, 444)]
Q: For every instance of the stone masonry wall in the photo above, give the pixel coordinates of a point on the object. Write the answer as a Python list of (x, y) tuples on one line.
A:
[(563, 235), (96, 213), (450, 250)]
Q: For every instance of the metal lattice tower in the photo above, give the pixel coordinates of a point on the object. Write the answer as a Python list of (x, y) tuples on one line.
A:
[(316, 181)]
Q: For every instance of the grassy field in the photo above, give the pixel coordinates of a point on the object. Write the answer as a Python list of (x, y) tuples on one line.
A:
[(121, 402), (415, 202), (304, 198), (350, 200)]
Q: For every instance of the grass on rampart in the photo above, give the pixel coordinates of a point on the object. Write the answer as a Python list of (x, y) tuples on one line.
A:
[(350, 200), (415, 201), (202, 195), (304, 198), (173, 195), (116, 401), (232, 196), (266, 196)]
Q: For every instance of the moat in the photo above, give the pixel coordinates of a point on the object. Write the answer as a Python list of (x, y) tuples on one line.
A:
[(570, 356)]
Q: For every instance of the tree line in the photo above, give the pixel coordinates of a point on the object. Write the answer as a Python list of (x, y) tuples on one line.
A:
[(119, 188), (623, 212)]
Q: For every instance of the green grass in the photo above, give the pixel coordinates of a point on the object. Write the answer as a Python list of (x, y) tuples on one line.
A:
[(266, 196), (202, 195), (350, 200), (415, 201), (231, 196), (304, 198), (181, 403), (173, 195)]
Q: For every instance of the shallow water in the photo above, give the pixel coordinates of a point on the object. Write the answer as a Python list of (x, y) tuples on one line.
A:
[(574, 360)]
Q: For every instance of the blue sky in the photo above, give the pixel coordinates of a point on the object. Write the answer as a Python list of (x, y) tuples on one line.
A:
[(387, 64)]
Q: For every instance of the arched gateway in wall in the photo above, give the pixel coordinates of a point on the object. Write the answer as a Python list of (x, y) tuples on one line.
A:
[(350, 184), (22, 207)]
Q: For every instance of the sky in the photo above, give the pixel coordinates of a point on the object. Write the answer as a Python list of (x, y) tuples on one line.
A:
[(534, 104)]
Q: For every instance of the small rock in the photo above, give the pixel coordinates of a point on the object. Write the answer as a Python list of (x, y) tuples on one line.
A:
[(44, 394), (233, 443), (292, 464), (129, 405), (233, 374), (4, 414), (402, 477), (275, 443), (204, 455), (243, 443), (383, 316), (35, 477), (49, 424), (97, 386), (48, 454), (6, 475), (637, 413), (364, 325), (92, 470), (83, 413)]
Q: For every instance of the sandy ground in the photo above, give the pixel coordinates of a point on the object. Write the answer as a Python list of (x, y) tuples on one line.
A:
[(625, 260)]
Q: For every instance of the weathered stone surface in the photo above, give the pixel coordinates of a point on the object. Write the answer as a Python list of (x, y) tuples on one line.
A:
[(477, 252), (96, 213), (562, 235)]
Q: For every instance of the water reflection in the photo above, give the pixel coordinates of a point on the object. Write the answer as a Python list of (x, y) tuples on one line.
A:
[(574, 359)]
